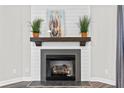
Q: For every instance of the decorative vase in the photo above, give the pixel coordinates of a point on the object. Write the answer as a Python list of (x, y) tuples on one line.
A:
[(35, 35), (84, 34)]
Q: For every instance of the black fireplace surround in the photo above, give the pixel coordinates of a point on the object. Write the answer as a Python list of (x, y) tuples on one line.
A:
[(60, 65)]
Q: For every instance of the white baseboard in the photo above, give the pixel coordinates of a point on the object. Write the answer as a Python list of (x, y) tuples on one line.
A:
[(107, 81), (6, 82)]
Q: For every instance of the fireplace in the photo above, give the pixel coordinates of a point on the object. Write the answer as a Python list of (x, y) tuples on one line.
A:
[(60, 65)]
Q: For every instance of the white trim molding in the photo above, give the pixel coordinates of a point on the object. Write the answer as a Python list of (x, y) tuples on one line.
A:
[(6, 82), (103, 80)]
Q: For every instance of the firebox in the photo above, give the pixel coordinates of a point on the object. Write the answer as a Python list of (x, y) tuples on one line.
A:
[(60, 67)]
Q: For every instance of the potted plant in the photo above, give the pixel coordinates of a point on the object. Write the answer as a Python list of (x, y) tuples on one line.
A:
[(36, 24), (84, 25)]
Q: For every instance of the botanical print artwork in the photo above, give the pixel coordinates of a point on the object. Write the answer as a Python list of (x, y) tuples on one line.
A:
[(56, 23)]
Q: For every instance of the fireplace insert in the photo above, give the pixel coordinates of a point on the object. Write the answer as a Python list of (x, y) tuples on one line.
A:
[(60, 67)]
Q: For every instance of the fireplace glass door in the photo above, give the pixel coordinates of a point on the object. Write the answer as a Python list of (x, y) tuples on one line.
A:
[(60, 67)]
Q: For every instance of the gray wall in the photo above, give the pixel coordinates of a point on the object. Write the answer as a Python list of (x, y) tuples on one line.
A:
[(26, 17), (103, 55), (13, 48)]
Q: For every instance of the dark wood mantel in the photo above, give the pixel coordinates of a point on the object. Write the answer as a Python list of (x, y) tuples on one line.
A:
[(82, 40)]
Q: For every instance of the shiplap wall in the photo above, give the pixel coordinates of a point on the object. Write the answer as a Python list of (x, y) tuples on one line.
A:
[(72, 14)]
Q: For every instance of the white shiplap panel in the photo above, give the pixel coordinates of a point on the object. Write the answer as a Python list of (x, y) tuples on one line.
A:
[(72, 15)]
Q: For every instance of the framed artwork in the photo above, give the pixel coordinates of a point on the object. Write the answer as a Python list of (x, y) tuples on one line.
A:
[(56, 23)]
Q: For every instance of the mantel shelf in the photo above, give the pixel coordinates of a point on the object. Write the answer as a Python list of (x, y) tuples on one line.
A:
[(82, 40)]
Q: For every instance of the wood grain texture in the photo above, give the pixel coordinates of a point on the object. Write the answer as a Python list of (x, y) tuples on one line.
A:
[(38, 84), (39, 40)]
